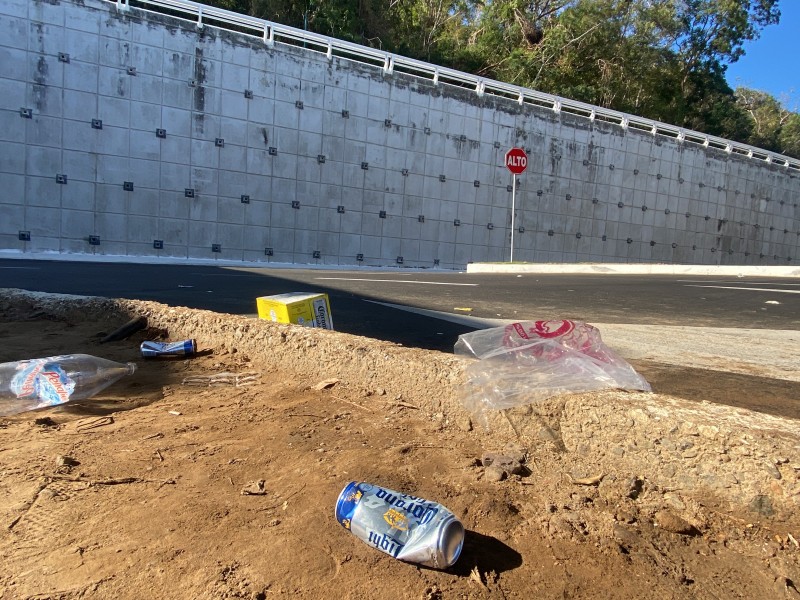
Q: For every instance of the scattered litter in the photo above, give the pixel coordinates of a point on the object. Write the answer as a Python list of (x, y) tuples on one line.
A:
[(406, 527), (150, 349), (175, 412), (793, 540), (254, 488), (46, 382), (234, 379), (185, 286), (463, 309), (771, 302), (126, 330), (531, 361), (299, 308), (326, 384)]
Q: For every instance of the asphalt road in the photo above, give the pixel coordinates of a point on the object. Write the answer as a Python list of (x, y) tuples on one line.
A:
[(358, 297)]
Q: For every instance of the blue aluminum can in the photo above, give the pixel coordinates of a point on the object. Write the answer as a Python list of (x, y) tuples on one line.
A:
[(184, 347), (406, 527)]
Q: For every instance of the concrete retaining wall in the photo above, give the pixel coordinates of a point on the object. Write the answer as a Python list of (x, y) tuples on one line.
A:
[(134, 134)]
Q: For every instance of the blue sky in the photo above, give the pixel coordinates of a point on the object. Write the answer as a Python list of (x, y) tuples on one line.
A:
[(770, 63)]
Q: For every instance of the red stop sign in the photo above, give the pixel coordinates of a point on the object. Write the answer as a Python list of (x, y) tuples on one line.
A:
[(516, 160)]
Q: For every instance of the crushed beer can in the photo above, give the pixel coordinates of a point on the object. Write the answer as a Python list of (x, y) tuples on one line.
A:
[(184, 347), (406, 527)]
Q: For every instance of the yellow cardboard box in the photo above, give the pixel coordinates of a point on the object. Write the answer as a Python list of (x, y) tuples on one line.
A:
[(300, 308)]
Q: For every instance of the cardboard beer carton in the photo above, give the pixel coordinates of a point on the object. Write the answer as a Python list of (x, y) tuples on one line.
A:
[(299, 308)]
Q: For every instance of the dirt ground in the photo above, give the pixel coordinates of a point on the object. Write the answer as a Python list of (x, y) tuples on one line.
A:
[(140, 493)]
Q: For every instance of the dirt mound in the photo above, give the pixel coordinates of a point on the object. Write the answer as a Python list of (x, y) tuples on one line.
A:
[(616, 495)]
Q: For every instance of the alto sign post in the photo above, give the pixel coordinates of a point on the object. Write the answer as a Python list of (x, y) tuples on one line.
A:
[(516, 162)]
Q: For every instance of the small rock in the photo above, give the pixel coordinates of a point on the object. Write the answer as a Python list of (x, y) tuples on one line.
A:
[(674, 501), (669, 521), (506, 463), (548, 435), (254, 488), (623, 515), (762, 505), (495, 473), (326, 384), (773, 471), (516, 452), (635, 487), (66, 461), (48, 494), (559, 524), (625, 536)]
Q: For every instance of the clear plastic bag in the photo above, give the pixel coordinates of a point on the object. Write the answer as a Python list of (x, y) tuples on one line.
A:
[(531, 361)]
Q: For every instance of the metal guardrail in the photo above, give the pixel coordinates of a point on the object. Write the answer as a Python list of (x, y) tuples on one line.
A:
[(272, 33)]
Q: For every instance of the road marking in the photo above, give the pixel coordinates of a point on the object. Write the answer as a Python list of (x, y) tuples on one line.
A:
[(399, 281), (739, 282), (26, 268), (475, 322), (723, 287)]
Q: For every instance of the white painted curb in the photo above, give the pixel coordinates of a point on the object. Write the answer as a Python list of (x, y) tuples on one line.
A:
[(636, 269)]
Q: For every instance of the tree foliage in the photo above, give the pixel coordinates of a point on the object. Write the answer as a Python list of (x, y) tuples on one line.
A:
[(662, 59)]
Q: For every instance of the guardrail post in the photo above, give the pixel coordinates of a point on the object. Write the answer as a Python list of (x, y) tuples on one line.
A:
[(329, 53), (556, 107), (436, 77), (269, 35), (729, 148), (123, 4), (200, 17), (654, 129), (681, 136), (480, 88), (624, 123), (521, 99), (387, 64), (592, 115)]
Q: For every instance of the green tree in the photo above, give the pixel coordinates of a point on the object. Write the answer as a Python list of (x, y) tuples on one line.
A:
[(767, 117), (663, 59), (789, 136)]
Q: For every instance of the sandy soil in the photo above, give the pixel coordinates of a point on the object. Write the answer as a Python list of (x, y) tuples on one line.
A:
[(139, 493)]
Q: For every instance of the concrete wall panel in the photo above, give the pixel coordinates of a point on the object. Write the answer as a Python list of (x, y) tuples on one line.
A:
[(241, 119)]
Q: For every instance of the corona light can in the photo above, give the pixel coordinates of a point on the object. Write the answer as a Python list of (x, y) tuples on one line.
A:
[(401, 525), (184, 347)]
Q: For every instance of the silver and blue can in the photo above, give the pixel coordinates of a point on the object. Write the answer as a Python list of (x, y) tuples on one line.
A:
[(404, 526), (184, 347)]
